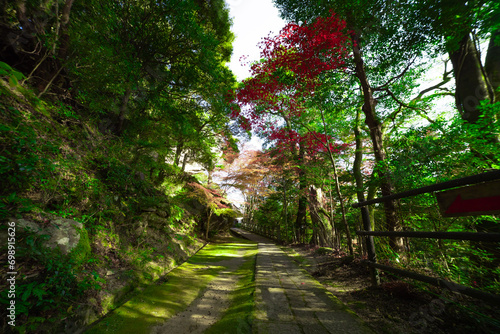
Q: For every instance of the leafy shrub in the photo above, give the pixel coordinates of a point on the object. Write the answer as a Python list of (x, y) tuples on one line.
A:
[(58, 282), (23, 160)]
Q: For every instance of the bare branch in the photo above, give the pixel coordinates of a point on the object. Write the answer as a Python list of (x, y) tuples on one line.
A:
[(397, 77), (398, 101), (446, 79)]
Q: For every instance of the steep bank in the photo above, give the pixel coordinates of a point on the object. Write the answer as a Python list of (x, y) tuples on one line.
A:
[(95, 217)]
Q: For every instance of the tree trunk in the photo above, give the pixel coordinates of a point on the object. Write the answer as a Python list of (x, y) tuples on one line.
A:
[(358, 159), (64, 37), (370, 194), (492, 64), (318, 215), (302, 207), (471, 81), (335, 231), (208, 224), (209, 178), (342, 208), (285, 214), (123, 110), (337, 188), (184, 162), (61, 44), (178, 152), (376, 135)]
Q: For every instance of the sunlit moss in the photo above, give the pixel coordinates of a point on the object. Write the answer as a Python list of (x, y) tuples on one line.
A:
[(157, 303)]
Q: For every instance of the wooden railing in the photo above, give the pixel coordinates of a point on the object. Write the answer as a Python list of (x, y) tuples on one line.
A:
[(370, 245)]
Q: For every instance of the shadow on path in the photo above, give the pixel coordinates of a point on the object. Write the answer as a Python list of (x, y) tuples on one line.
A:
[(289, 301)]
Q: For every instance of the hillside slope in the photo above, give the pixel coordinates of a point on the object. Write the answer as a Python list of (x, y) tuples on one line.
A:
[(83, 222)]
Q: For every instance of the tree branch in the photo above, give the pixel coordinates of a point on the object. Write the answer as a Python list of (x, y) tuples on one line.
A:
[(446, 79), (397, 77)]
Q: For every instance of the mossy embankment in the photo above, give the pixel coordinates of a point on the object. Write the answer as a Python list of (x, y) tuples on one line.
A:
[(130, 217), (159, 302)]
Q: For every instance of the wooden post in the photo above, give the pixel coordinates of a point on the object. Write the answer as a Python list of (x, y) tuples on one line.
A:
[(370, 245)]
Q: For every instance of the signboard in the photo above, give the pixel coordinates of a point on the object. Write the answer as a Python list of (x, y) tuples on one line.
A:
[(478, 199)]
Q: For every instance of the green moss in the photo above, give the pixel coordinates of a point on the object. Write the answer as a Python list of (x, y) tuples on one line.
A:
[(218, 252), (238, 317), (299, 259), (82, 251), (157, 303)]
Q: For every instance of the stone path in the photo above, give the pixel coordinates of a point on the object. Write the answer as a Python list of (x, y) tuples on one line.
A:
[(208, 308), (289, 301)]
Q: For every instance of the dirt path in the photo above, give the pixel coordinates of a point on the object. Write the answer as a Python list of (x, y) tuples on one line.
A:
[(290, 301)]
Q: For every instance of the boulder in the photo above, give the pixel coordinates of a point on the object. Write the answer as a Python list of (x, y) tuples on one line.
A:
[(64, 234), (67, 235)]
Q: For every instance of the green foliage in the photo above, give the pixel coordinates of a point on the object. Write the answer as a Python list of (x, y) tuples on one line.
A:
[(158, 77), (61, 280), (176, 215), (23, 159), (12, 75), (269, 213), (445, 150)]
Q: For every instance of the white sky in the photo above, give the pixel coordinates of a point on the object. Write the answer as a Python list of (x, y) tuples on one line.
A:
[(252, 20)]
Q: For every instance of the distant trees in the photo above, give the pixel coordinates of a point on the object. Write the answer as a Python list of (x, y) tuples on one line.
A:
[(273, 100), (342, 99)]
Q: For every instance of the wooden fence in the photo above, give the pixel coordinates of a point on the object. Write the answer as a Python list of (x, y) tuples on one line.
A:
[(370, 245)]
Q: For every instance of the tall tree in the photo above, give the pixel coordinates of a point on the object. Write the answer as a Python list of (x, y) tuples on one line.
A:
[(456, 26), (281, 83), (384, 46)]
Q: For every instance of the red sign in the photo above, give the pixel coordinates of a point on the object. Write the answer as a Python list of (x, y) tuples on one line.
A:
[(479, 199)]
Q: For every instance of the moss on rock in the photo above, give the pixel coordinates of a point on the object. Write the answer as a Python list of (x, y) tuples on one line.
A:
[(82, 250)]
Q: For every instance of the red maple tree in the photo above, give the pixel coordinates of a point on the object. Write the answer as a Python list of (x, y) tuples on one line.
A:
[(273, 98), (272, 101)]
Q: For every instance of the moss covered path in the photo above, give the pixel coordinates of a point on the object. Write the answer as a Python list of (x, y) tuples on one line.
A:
[(211, 293), (289, 301), (237, 286)]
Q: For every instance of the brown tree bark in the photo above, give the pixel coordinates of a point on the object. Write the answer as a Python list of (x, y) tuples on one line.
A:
[(178, 152), (492, 64), (376, 135), (60, 47), (302, 207), (123, 110), (472, 84), (319, 216), (63, 33), (358, 159)]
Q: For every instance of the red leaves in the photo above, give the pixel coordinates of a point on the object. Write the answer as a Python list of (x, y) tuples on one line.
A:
[(314, 142), (308, 50), (207, 196), (288, 75)]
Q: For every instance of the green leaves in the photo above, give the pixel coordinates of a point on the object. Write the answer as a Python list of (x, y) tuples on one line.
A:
[(11, 75)]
